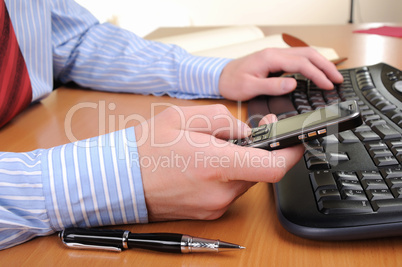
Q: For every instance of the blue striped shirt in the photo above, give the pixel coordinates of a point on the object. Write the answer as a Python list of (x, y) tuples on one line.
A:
[(91, 182)]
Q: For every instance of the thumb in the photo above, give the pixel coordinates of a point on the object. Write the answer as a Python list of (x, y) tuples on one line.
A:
[(275, 86), (215, 120), (267, 119)]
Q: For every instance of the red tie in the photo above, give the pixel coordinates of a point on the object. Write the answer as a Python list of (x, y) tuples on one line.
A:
[(15, 86)]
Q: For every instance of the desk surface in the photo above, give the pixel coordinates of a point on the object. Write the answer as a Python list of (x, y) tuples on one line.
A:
[(70, 113)]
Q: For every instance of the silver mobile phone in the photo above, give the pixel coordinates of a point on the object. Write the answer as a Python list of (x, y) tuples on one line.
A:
[(304, 127)]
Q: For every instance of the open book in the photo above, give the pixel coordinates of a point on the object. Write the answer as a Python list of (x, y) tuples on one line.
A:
[(233, 42)]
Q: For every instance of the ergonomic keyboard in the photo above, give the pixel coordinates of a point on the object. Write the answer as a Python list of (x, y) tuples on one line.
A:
[(348, 185)]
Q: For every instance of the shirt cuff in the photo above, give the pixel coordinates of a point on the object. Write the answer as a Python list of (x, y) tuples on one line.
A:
[(94, 182), (199, 77)]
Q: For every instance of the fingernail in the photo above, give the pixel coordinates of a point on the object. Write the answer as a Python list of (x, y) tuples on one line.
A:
[(245, 128), (288, 85), (272, 118)]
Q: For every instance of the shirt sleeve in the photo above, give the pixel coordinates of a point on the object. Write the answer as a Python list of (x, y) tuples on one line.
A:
[(106, 57), (88, 183)]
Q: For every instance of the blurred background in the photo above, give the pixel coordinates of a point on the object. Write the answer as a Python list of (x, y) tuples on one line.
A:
[(143, 17)]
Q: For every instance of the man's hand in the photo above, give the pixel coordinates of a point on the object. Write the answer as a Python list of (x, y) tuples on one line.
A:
[(245, 78), (190, 171)]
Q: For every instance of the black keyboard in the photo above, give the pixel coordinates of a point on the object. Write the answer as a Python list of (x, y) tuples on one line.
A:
[(348, 185)]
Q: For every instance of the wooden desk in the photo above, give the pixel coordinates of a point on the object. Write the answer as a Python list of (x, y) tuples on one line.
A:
[(251, 221)]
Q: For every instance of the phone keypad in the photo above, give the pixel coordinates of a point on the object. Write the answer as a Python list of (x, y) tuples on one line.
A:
[(261, 133), (311, 134), (258, 134), (260, 130)]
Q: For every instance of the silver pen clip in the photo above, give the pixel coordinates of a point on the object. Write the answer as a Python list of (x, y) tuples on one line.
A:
[(76, 245)]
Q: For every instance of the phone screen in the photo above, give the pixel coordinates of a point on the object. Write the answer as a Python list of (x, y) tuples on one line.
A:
[(300, 122)]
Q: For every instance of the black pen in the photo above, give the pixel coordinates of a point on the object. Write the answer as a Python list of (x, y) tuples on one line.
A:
[(118, 240)]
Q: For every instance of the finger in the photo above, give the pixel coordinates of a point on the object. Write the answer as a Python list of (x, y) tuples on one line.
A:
[(284, 85), (273, 86), (253, 164), (301, 60), (222, 195), (267, 119), (318, 60), (215, 120)]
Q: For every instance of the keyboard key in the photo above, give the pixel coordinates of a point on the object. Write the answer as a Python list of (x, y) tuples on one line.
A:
[(379, 101), (316, 99), (373, 95), (377, 153), (369, 175), (304, 108), (399, 123), (327, 194), (397, 151), (395, 182), (314, 142), (362, 70), (345, 87), (330, 139), (394, 114), (301, 101), (351, 98), (374, 184), (314, 147), (349, 184), (353, 194), (368, 136), (366, 86), (370, 92), (330, 93), (345, 95), (344, 206), (399, 158), (386, 132), (322, 180), (318, 104), (366, 112), (314, 154), (373, 123), (371, 117), (394, 144), (364, 76), (391, 173), (361, 103), (331, 96), (297, 94), (397, 118), (385, 161), (346, 175), (340, 156), (318, 164), (376, 145), (347, 137), (385, 106), (333, 101), (397, 192), (387, 205), (376, 194)]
